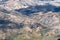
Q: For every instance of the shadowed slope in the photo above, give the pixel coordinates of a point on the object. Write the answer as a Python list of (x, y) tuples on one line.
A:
[(38, 8)]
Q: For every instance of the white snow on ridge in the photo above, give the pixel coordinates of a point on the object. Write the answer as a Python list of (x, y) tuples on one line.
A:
[(52, 2)]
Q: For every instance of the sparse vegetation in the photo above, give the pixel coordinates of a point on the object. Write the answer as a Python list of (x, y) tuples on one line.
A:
[(21, 27)]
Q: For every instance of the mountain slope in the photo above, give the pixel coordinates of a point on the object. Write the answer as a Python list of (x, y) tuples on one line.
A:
[(29, 20)]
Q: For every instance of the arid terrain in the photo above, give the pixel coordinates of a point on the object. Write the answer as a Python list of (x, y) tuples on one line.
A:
[(21, 20)]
